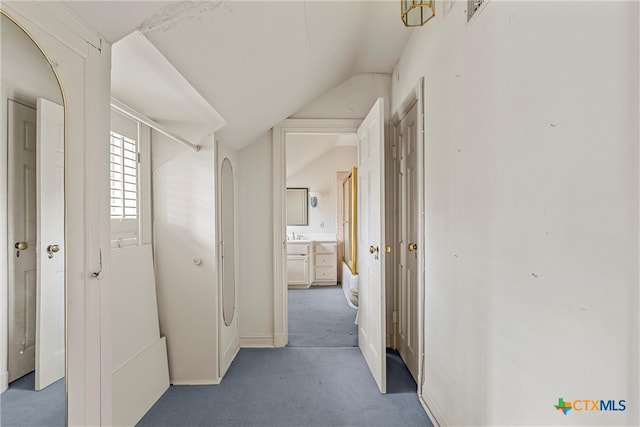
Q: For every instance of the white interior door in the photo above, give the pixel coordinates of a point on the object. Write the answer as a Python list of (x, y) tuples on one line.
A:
[(407, 326), (371, 244), (22, 239), (50, 313)]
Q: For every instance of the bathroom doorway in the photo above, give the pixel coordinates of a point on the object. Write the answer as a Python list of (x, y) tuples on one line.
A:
[(319, 313)]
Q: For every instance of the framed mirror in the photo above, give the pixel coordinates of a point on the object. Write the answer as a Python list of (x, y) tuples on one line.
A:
[(228, 241), (297, 206), (349, 224), (33, 347)]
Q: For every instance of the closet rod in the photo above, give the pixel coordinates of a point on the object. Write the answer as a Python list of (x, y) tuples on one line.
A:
[(130, 112)]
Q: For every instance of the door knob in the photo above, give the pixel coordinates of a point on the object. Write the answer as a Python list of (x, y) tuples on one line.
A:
[(412, 247), (52, 249), (21, 246), (373, 249)]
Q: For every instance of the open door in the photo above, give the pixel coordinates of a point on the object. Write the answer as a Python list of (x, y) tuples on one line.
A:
[(50, 312), (371, 243)]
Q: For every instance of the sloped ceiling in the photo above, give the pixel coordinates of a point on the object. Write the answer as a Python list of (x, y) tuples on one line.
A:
[(259, 62), (302, 149)]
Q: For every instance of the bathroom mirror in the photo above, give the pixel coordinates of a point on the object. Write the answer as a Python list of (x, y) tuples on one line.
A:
[(33, 337), (297, 206), (228, 243), (349, 224)]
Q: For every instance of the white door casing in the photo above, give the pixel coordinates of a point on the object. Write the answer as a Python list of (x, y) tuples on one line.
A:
[(407, 304), (22, 229), (50, 339), (371, 243)]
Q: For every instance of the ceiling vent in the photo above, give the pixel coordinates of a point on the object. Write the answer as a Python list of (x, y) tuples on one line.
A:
[(473, 6)]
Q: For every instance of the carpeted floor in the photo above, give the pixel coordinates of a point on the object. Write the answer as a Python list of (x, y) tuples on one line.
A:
[(320, 317), (21, 405), (295, 387), (321, 379)]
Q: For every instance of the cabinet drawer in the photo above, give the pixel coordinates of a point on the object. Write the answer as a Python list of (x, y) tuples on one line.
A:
[(326, 273), (325, 248), (297, 249), (326, 260)]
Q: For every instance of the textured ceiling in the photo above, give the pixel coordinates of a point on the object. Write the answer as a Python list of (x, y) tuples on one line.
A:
[(259, 62)]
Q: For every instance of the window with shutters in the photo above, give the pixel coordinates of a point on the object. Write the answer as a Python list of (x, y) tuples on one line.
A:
[(130, 181), (124, 177)]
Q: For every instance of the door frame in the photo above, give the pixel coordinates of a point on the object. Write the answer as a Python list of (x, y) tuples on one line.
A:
[(416, 96), (80, 60), (280, 132)]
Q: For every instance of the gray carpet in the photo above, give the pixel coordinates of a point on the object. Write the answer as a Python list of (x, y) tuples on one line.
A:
[(320, 317), (21, 405), (321, 379), (295, 387)]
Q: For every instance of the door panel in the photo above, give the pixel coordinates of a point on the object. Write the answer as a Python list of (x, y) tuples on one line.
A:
[(371, 243), (22, 228), (50, 345), (408, 267)]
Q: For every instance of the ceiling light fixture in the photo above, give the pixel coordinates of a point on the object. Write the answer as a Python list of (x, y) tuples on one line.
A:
[(415, 13)]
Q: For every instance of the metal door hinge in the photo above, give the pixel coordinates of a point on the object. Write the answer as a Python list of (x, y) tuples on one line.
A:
[(394, 317)]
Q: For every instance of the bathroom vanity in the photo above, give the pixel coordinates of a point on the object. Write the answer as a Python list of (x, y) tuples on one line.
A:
[(311, 262)]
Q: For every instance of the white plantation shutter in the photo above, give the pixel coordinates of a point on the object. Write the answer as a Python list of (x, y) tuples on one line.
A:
[(124, 177), (130, 180)]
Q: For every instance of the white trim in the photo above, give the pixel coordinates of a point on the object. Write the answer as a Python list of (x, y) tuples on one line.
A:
[(4, 381), (59, 22), (257, 342), (198, 382), (130, 112), (145, 204), (430, 413), (291, 126)]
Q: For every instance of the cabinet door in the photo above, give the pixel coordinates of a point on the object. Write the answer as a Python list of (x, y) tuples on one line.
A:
[(298, 270)]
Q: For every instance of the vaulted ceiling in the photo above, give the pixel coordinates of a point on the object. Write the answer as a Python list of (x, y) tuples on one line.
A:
[(259, 62)]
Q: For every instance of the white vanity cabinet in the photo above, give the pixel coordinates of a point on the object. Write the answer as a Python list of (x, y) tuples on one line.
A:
[(325, 270), (298, 265)]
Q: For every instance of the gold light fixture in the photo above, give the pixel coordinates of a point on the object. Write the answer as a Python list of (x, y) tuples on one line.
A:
[(415, 13)]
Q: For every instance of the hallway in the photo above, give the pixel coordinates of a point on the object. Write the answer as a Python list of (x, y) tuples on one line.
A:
[(312, 382)]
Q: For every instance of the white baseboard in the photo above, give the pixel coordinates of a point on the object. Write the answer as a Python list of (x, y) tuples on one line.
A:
[(4, 381), (257, 342), (436, 419), (198, 382)]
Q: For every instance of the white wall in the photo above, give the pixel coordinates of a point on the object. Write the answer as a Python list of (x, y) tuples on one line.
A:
[(531, 209), (255, 243), (184, 230), (320, 177), (352, 99)]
